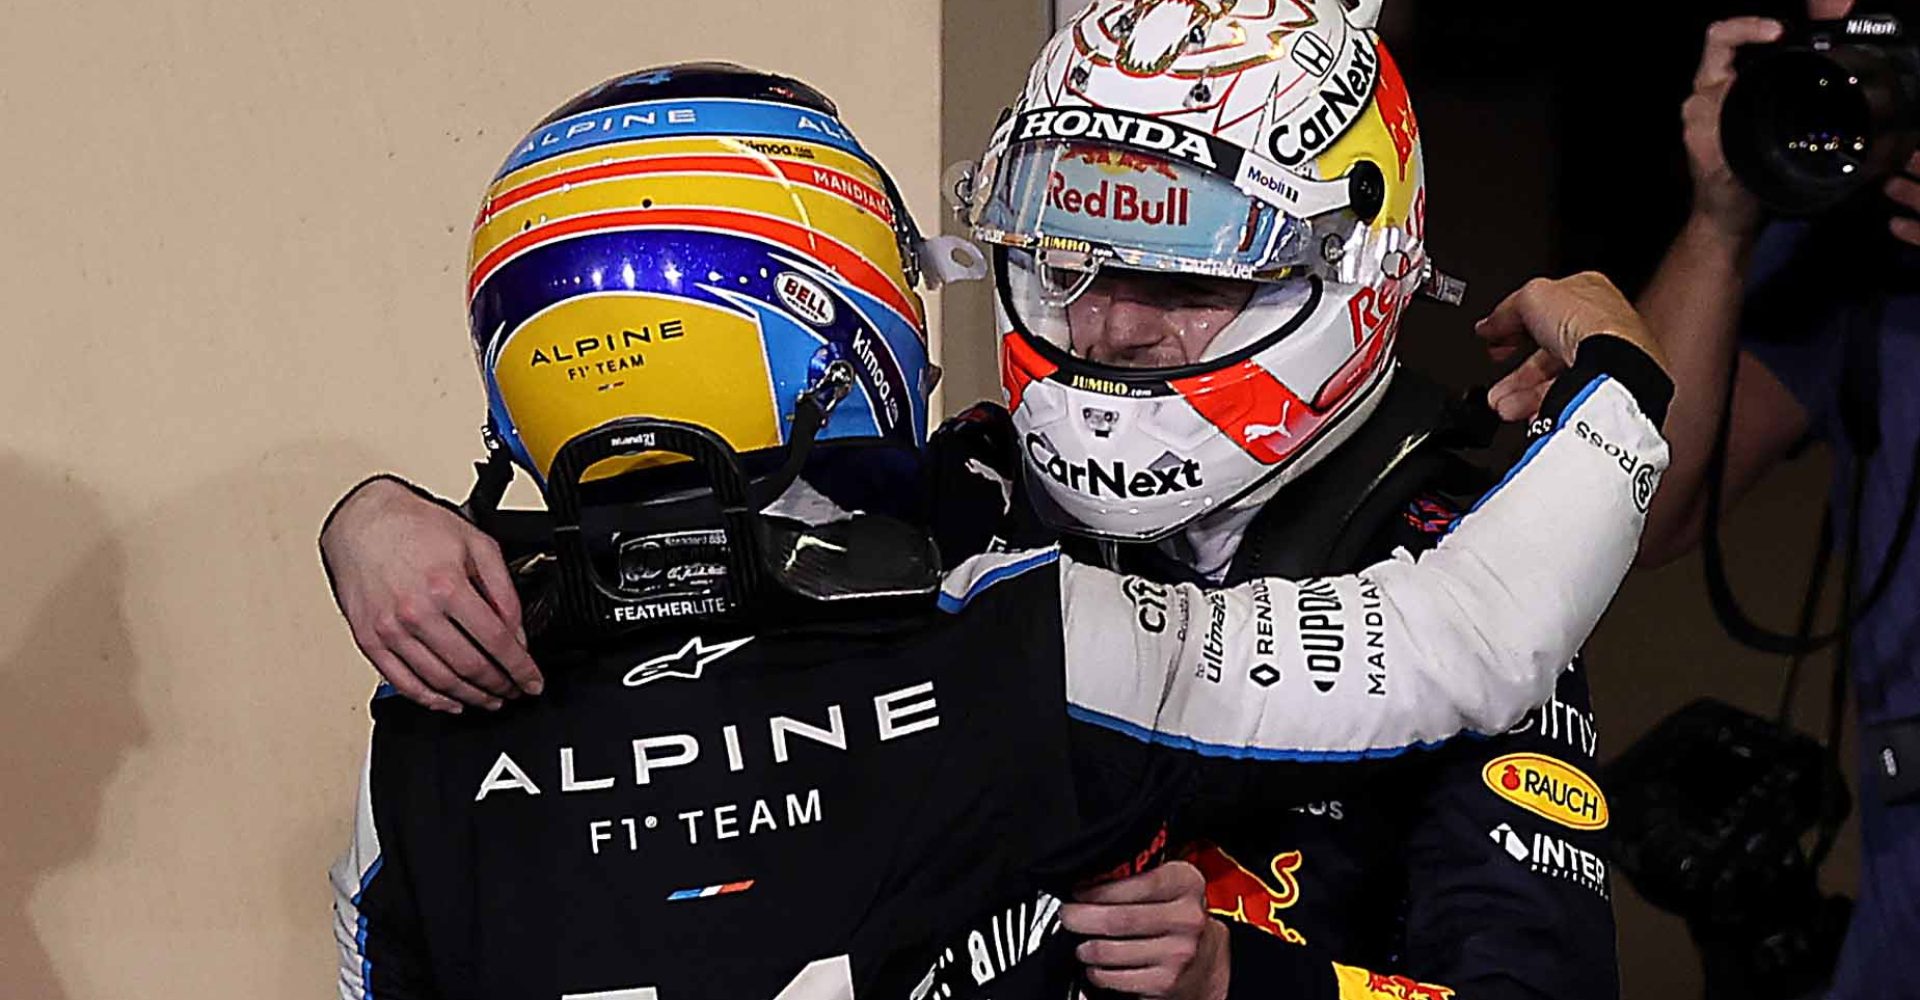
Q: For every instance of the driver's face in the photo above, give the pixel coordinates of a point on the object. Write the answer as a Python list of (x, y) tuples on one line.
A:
[(1135, 319)]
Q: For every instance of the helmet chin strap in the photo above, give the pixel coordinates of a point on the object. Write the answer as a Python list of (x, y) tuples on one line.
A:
[(1208, 545), (742, 545)]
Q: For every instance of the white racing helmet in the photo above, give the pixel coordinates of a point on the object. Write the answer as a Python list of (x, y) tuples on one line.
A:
[(1207, 216)]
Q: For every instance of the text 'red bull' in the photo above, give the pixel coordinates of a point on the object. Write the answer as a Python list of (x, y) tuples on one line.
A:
[(1119, 202)]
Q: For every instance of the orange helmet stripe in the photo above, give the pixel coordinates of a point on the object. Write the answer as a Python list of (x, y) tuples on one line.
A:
[(843, 259), (1020, 366)]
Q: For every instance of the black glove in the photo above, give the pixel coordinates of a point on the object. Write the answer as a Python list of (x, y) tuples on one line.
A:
[(973, 471)]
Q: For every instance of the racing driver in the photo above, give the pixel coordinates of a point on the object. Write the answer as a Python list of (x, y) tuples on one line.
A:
[(1204, 243), (729, 217)]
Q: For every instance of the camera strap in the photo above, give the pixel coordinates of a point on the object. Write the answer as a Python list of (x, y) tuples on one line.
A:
[(1859, 413)]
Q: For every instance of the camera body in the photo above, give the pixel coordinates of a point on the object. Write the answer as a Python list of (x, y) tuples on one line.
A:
[(1820, 119)]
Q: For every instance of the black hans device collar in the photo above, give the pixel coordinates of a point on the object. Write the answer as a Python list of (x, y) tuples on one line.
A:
[(703, 548)]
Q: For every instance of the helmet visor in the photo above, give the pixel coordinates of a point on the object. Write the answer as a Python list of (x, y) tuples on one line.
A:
[(1123, 317), (1138, 209)]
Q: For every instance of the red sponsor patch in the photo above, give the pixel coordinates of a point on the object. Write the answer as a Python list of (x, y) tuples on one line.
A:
[(1430, 516)]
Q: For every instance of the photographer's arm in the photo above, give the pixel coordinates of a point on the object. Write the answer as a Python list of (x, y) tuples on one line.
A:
[(1693, 305)]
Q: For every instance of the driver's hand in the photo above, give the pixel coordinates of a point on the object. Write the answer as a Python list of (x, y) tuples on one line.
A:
[(1549, 318), (1151, 936), (428, 598)]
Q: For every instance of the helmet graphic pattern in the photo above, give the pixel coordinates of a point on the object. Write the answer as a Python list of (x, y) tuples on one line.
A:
[(1287, 106), (693, 243)]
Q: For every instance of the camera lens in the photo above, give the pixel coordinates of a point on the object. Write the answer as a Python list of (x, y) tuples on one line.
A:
[(1820, 123), (1807, 130)]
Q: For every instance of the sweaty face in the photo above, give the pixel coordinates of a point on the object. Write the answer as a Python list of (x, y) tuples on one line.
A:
[(1136, 319)]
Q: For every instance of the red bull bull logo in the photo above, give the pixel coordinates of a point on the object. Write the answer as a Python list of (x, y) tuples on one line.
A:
[(1122, 161), (1234, 893), (1360, 984), (1396, 111)]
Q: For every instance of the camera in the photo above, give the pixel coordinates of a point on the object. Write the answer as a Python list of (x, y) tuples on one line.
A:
[(1826, 114)]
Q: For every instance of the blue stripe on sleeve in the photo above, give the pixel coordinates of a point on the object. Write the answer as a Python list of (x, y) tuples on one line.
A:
[(1559, 424), (1174, 741), (954, 605)]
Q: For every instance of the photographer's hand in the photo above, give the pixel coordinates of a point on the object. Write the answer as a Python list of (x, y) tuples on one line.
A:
[(1720, 202), (1905, 192)]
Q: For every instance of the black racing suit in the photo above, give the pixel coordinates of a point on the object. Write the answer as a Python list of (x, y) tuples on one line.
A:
[(1476, 865), (890, 807), (709, 813), (1427, 872), (1433, 869)]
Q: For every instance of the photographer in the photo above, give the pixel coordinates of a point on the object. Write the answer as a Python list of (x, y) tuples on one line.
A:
[(1807, 313)]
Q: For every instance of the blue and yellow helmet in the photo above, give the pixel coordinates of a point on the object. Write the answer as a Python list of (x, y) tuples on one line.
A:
[(697, 243)]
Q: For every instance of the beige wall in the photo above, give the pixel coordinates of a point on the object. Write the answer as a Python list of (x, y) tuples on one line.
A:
[(987, 47), (231, 242)]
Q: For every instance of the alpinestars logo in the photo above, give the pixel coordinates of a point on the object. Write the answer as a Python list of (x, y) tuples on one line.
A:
[(687, 663), (1551, 856)]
